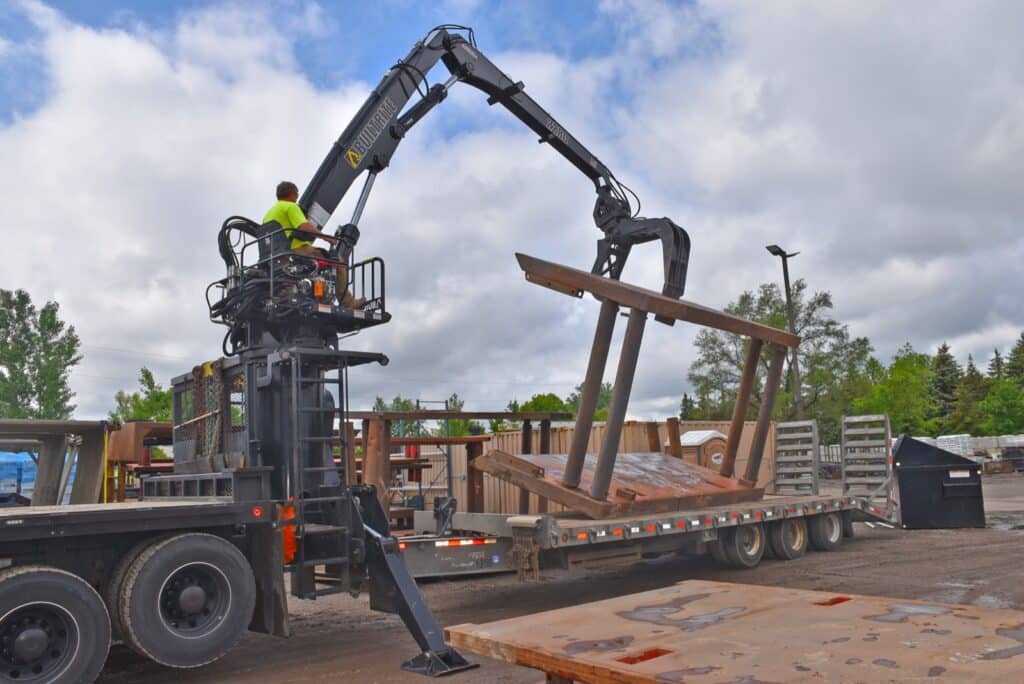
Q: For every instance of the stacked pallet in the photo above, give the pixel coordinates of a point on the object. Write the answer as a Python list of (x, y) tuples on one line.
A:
[(796, 457), (867, 466)]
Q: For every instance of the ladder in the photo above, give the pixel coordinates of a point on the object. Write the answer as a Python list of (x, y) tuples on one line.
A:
[(323, 505), (797, 457), (866, 462)]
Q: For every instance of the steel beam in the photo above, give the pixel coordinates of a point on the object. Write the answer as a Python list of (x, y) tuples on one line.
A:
[(620, 401), (764, 416), (739, 411), (591, 389)]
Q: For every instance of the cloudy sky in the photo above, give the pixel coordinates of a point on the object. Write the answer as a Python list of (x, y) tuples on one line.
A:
[(882, 141)]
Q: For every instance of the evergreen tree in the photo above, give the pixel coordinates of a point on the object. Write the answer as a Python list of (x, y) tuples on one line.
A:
[(944, 380), (1015, 362), (970, 392), (997, 366), (687, 408), (37, 352)]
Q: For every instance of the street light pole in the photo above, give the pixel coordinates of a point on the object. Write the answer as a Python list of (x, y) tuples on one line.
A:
[(794, 367)]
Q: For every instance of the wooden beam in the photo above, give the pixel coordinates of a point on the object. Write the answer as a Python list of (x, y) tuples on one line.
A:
[(675, 446), (550, 274), (376, 457), (653, 439), (474, 479)]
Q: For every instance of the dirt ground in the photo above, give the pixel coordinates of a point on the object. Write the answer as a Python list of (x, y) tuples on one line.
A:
[(338, 639)]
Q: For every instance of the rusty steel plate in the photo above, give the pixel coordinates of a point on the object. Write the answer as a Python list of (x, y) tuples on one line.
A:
[(700, 631), (641, 483)]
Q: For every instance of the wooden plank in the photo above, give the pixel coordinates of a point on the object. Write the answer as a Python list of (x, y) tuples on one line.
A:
[(430, 414), (376, 456), (547, 273), (641, 483), (719, 631), (675, 447)]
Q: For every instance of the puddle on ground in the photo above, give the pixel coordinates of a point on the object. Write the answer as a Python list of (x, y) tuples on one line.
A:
[(1008, 522)]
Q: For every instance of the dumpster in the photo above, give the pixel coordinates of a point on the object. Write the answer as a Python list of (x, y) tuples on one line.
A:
[(937, 489)]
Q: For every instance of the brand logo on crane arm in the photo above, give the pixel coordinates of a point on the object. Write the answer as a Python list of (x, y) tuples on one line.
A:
[(371, 131)]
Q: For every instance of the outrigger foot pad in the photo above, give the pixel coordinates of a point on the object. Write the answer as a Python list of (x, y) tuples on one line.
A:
[(446, 662)]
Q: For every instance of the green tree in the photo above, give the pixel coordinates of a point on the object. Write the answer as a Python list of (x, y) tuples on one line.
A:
[(37, 352), (942, 386), (967, 415), (997, 366), (687, 408), (456, 427), (399, 428), (604, 401), (902, 393), (833, 365), (1015, 362), (545, 403), (151, 402), (1004, 408)]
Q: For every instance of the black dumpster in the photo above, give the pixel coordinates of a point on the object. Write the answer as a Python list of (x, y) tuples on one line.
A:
[(938, 489)]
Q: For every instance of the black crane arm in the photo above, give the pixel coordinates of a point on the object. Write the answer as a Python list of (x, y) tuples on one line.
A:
[(369, 141)]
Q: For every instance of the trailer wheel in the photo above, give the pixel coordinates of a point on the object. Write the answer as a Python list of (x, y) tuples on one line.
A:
[(787, 538), (744, 545), (825, 531), (187, 600), (718, 550), (54, 628)]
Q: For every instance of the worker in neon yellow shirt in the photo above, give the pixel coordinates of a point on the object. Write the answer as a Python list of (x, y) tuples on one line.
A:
[(296, 227)]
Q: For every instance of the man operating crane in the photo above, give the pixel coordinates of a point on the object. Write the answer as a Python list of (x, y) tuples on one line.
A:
[(287, 213)]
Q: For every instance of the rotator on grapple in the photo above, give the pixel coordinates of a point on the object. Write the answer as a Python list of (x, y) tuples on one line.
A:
[(284, 321)]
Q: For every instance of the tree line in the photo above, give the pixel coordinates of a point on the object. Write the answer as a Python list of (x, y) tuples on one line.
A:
[(923, 394)]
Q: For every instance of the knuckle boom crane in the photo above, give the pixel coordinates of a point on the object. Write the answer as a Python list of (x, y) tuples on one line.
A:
[(286, 311), (369, 141)]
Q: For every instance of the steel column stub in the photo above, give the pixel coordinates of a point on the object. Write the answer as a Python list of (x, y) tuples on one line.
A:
[(590, 392), (620, 402)]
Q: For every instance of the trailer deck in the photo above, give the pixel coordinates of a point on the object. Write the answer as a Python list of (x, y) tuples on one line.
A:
[(737, 632)]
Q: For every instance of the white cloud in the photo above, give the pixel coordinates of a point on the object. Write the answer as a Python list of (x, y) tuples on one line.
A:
[(883, 142)]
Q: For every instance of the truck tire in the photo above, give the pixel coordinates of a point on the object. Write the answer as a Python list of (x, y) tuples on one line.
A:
[(112, 591), (186, 600), (54, 628), (825, 531), (847, 525), (744, 545), (787, 538)]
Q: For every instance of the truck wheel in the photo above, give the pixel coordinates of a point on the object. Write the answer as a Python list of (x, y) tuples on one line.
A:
[(54, 628), (787, 538), (744, 545), (825, 531), (115, 584), (187, 600)]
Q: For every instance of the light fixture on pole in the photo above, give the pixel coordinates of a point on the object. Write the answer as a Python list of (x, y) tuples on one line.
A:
[(775, 250)]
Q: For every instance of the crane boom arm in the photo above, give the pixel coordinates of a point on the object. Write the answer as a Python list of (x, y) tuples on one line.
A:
[(369, 141)]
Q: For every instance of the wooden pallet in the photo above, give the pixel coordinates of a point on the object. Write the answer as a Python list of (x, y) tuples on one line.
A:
[(641, 483), (700, 631), (796, 457)]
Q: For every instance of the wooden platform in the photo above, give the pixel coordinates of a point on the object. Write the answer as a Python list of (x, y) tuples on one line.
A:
[(700, 631), (641, 483)]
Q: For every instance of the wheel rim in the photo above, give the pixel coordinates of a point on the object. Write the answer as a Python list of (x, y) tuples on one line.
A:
[(750, 540), (194, 600), (37, 642), (794, 535), (833, 528)]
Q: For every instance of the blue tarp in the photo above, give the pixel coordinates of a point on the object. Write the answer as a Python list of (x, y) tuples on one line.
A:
[(10, 464)]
